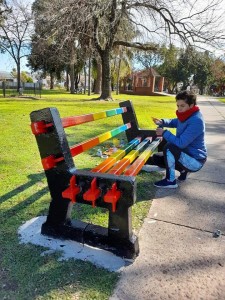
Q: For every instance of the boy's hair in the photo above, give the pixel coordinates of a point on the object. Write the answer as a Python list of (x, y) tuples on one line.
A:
[(187, 96)]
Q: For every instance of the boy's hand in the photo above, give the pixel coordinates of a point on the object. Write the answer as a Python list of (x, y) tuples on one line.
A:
[(157, 121), (159, 131)]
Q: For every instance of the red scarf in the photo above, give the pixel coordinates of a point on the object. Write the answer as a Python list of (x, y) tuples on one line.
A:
[(182, 116)]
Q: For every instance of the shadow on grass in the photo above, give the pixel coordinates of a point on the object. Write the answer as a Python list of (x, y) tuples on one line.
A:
[(34, 178), (25, 272), (145, 191), (46, 278), (145, 185), (24, 204), (32, 276)]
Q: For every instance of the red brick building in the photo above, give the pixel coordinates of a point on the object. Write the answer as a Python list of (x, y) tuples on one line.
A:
[(146, 82)]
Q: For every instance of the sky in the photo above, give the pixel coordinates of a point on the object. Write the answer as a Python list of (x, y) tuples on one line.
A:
[(7, 63)]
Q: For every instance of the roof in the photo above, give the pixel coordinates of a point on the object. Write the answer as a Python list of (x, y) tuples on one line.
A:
[(148, 72), (5, 75)]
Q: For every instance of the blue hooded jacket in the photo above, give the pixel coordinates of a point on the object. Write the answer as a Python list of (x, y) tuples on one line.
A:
[(189, 135)]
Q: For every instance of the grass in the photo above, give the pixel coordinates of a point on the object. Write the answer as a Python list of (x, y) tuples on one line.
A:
[(24, 273)]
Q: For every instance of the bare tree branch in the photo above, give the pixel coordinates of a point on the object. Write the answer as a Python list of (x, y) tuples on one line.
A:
[(136, 45), (15, 33), (97, 24)]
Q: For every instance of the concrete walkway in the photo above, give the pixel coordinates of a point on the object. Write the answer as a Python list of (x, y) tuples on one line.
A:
[(179, 256)]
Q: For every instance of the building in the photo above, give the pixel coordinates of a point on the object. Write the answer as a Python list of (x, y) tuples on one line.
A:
[(6, 76), (146, 82)]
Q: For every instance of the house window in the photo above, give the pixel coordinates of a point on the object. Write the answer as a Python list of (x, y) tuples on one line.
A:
[(144, 83)]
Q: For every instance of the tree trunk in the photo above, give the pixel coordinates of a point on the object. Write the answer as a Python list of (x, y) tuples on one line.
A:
[(85, 78), (72, 87), (201, 88), (18, 74), (72, 75), (118, 77), (77, 80), (51, 81), (89, 76), (106, 75), (98, 81), (112, 84), (67, 81)]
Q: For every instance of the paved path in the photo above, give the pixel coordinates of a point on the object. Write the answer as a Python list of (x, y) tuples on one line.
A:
[(179, 257)]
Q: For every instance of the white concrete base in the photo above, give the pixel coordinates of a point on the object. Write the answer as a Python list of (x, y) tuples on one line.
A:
[(30, 232)]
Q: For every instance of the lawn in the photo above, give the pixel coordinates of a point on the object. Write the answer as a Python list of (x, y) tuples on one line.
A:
[(24, 273)]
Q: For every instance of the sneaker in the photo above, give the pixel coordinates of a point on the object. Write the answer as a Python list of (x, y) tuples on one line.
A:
[(183, 176), (166, 184)]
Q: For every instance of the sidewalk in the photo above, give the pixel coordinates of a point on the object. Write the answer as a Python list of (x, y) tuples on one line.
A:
[(179, 257)]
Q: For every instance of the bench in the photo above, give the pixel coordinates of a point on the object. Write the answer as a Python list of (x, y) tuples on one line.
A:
[(111, 184)]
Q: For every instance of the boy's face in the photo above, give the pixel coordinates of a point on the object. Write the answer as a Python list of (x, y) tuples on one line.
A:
[(182, 106)]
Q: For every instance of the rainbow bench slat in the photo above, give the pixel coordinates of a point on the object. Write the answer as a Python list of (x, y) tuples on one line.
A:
[(110, 161), (135, 168), (129, 158), (50, 161), (76, 120), (77, 149), (41, 126)]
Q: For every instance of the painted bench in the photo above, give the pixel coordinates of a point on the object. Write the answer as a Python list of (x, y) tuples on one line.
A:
[(111, 184)]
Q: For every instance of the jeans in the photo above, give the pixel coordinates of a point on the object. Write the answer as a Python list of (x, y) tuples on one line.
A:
[(172, 158)]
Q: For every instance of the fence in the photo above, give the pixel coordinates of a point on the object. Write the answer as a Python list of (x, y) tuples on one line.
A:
[(9, 89)]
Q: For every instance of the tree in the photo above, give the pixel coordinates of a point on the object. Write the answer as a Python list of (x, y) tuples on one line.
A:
[(121, 65), (25, 77), (4, 9), (122, 56), (96, 24), (70, 24), (180, 65), (149, 59), (108, 18), (203, 70), (97, 74), (45, 58), (15, 33), (60, 45), (169, 66), (186, 66), (218, 75)]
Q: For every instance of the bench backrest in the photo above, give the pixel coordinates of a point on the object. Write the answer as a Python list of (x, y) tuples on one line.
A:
[(48, 128)]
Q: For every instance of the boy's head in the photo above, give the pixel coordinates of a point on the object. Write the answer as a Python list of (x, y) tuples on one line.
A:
[(187, 96)]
